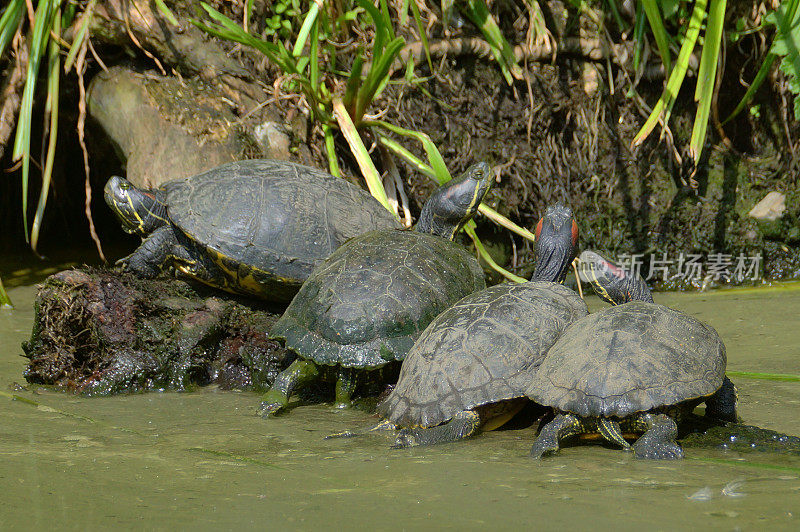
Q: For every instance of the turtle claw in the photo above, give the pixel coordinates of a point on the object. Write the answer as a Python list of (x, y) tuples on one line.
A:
[(266, 409), (541, 449), (661, 451), (405, 439)]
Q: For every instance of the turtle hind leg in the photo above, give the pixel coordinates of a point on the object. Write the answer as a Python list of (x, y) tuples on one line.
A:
[(345, 386), (722, 405), (463, 425), (385, 424), (658, 443), (562, 426), (300, 373), (152, 255)]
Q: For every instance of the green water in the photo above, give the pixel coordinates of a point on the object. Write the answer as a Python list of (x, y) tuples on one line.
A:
[(205, 460)]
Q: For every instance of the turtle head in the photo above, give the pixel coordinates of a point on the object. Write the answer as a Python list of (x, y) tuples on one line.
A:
[(556, 241), (456, 202), (140, 211), (612, 283)]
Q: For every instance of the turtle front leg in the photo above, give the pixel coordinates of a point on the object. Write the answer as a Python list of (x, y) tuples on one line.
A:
[(658, 443), (345, 387), (151, 256), (300, 373), (722, 405), (463, 425), (562, 426)]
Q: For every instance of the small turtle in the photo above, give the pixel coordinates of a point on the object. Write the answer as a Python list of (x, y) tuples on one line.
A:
[(460, 375), (632, 368), (366, 304), (256, 227)]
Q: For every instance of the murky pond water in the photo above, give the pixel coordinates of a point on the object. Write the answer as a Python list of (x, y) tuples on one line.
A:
[(204, 459)]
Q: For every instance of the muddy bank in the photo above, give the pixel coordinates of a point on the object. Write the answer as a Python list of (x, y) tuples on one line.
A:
[(98, 332)]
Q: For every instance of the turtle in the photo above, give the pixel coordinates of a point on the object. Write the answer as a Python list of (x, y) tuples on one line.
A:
[(459, 377), (255, 227), (615, 285), (364, 306), (634, 368)]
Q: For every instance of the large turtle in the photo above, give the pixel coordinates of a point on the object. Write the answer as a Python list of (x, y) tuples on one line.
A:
[(367, 303), (255, 227), (460, 375), (632, 368)]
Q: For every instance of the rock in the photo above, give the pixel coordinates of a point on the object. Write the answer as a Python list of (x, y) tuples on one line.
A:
[(163, 128), (273, 140), (99, 332), (770, 208)]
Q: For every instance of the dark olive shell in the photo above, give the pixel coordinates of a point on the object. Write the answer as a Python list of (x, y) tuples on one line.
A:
[(473, 353), (629, 358), (270, 222), (368, 302)]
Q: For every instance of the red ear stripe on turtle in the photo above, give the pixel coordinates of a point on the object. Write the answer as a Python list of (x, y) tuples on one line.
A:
[(538, 230), (574, 233)]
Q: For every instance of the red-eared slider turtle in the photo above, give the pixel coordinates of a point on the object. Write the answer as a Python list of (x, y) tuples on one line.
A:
[(255, 227), (367, 303), (615, 285), (633, 368), (460, 376)]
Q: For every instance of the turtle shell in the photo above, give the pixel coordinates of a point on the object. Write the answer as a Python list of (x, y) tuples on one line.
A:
[(472, 353), (629, 358), (367, 303), (267, 223)]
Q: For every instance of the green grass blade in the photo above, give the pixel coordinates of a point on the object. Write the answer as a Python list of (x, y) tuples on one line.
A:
[(353, 83), (39, 38), (368, 170), (653, 13), (761, 75), (51, 112), (170, 16), (5, 301), (667, 99), (707, 76), (487, 211), (638, 36), (330, 150), (782, 377), (422, 35), (478, 13), (9, 23), (441, 173), (313, 64), (381, 34), (612, 4), (502, 221), (227, 29), (377, 76), (80, 35), (470, 230), (305, 29), (407, 156)]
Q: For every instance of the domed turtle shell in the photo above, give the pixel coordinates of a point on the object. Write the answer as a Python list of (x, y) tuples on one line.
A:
[(267, 223), (472, 353), (630, 358), (395, 283)]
